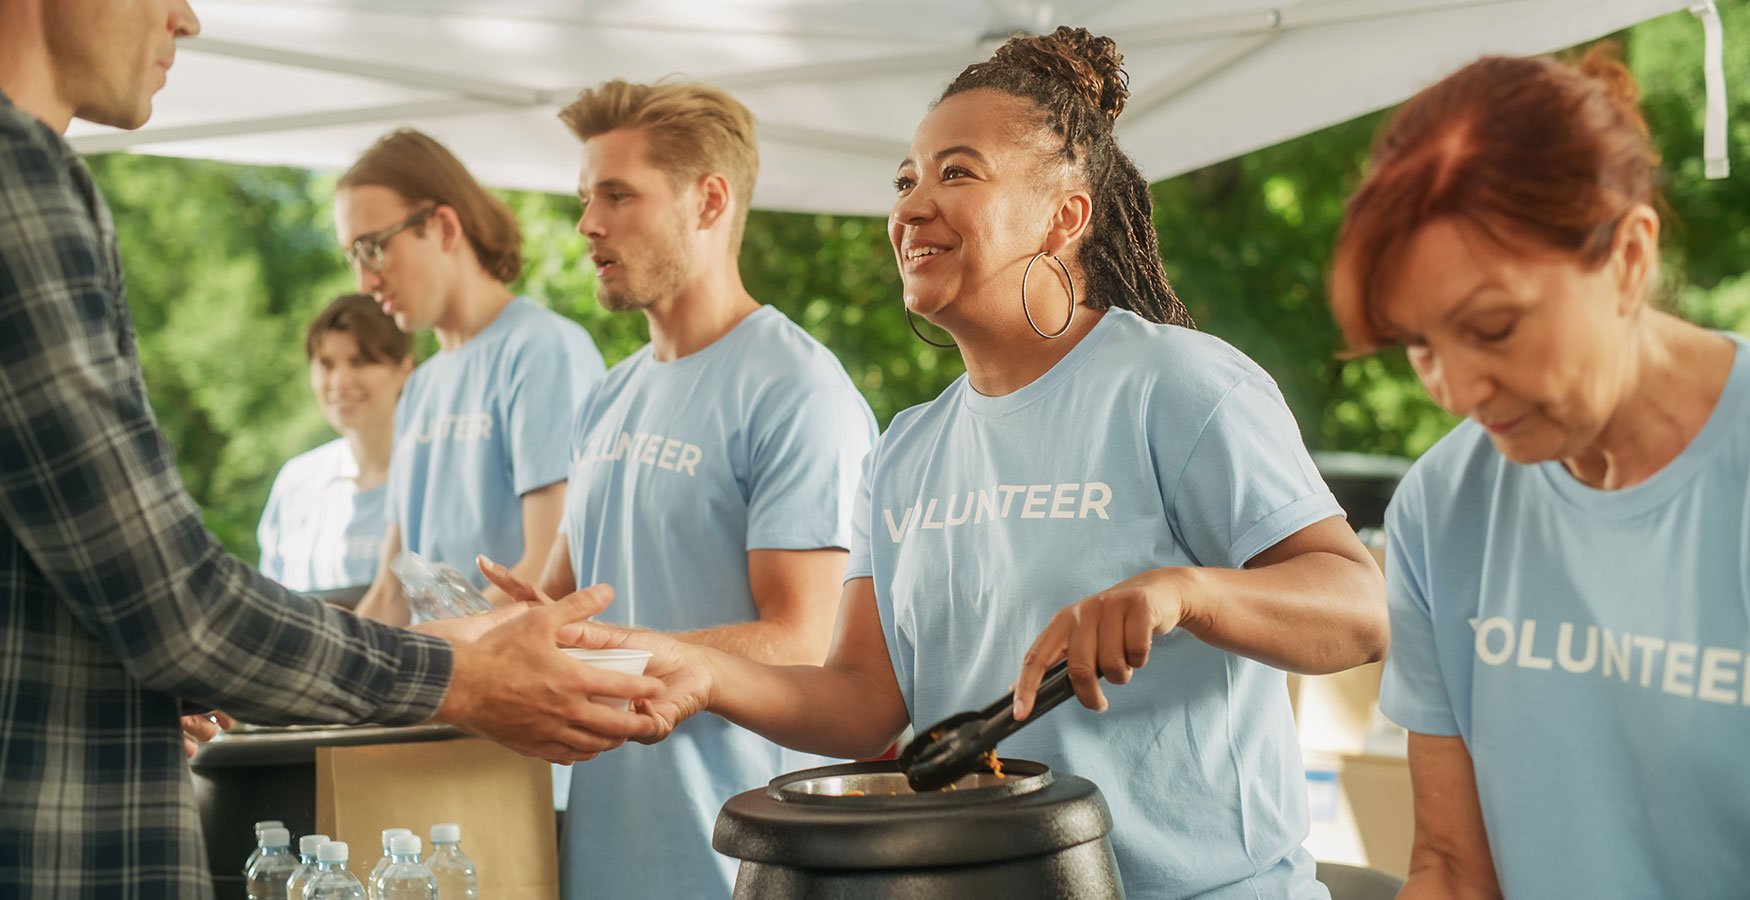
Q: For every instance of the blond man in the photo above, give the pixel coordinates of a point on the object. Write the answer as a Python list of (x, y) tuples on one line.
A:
[(713, 473)]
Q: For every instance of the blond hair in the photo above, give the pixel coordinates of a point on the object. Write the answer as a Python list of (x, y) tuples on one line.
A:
[(422, 171), (691, 129)]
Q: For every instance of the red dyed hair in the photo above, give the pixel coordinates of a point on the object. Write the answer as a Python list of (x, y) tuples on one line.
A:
[(1533, 154)]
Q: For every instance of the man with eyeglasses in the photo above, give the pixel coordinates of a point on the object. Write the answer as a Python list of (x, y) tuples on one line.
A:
[(481, 436), (117, 607)]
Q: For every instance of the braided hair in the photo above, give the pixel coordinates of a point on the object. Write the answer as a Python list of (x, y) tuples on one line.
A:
[(1076, 81)]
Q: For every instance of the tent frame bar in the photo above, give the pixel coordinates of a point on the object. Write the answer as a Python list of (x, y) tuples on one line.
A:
[(125, 140), (476, 88), (1246, 34)]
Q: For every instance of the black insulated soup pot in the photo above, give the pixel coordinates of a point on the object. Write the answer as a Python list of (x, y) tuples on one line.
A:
[(859, 832)]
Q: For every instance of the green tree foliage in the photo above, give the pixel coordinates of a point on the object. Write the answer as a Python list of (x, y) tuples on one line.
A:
[(226, 265)]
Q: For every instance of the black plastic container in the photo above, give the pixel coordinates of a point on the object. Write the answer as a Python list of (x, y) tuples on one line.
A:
[(1031, 834)]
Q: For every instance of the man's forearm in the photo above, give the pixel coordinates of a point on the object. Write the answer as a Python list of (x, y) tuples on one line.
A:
[(385, 603), (771, 643)]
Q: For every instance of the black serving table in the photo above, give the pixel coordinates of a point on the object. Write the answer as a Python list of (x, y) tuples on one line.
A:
[(250, 774)]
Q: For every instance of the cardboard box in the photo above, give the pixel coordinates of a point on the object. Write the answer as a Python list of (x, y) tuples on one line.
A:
[(1361, 810), (1334, 713), (1357, 779), (502, 800)]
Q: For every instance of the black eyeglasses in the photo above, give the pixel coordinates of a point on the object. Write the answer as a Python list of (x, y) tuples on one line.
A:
[(366, 251)]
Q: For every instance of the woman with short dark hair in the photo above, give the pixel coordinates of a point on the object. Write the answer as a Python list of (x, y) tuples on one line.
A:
[(324, 522)]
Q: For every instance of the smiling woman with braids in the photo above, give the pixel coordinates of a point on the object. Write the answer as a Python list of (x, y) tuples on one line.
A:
[(1105, 484)]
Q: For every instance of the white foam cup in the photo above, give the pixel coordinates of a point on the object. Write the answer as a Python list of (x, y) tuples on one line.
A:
[(626, 662)]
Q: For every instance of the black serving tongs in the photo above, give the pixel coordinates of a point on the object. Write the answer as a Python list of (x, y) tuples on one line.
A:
[(945, 751)]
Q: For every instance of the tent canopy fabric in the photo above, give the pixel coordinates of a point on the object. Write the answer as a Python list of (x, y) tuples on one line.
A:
[(837, 86)]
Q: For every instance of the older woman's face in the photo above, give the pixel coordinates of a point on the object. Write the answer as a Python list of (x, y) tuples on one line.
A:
[(1532, 347), (970, 210)]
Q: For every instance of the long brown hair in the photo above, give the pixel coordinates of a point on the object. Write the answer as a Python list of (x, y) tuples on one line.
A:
[(1528, 153), (422, 171)]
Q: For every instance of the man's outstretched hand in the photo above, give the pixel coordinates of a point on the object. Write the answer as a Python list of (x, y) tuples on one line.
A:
[(512, 684)]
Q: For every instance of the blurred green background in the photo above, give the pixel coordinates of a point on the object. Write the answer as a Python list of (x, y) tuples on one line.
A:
[(226, 265)]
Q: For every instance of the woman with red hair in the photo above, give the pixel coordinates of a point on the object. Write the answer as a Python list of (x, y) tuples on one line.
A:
[(1569, 570)]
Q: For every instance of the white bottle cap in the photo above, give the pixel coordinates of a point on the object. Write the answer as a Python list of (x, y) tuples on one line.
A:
[(332, 852), (276, 837), (389, 833), (308, 843), (265, 824), (447, 833), (403, 844)]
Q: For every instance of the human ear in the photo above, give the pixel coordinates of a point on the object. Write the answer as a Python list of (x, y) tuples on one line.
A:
[(449, 227), (1069, 221), (715, 199), (1634, 257)]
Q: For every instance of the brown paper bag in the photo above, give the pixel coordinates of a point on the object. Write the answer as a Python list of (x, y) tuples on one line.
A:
[(502, 800)]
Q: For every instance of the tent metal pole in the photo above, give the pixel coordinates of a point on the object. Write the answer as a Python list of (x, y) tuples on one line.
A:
[(430, 109), (1289, 18), (424, 9), (834, 141), (479, 89), (1267, 27), (1202, 68), (932, 61), (1241, 27)]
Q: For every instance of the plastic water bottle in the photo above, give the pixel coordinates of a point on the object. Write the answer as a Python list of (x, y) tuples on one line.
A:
[(306, 869), (255, 854), (436, 591), (332, 881), (451, 870), (267, 878), (389, 834), (406, 878)]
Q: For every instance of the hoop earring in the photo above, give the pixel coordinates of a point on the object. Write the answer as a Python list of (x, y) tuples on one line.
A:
[(1072, 296), (914, 330)]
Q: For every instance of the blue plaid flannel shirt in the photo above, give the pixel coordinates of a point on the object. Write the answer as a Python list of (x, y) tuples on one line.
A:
[(116, 605)]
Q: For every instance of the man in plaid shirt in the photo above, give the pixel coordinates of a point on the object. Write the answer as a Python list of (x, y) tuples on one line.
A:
[(116, 606)]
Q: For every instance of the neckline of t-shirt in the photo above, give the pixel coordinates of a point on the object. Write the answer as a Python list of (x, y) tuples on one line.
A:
[(729, 339), (366, 492), (1016, 400), (346, 468), (500, 325), (1655, 491)]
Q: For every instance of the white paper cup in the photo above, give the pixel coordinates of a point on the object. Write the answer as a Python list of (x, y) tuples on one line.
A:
[(626, 662), (629, 662)]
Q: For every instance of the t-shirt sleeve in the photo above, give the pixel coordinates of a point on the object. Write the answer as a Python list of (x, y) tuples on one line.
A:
[(540, 410), (1247, 482), (394, 503), (1412, 691), (805, 465), (862, 562)]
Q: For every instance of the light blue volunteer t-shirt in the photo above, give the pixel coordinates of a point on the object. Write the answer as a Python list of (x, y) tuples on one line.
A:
[(680, 468), (1590, 647), (1146, 446), (319, 532), (482, 425)]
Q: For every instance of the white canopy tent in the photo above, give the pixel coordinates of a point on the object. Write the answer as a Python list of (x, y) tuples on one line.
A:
[(837, 85)]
